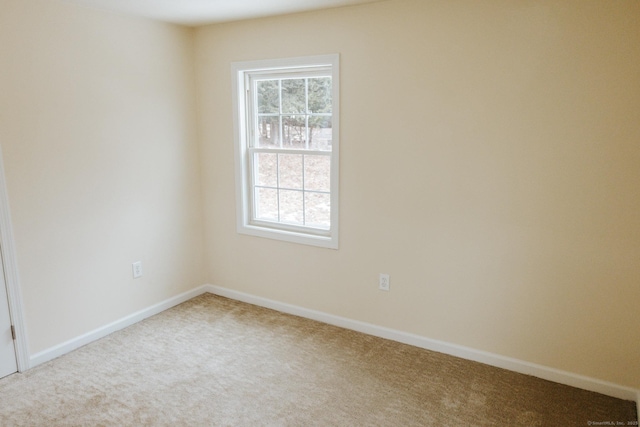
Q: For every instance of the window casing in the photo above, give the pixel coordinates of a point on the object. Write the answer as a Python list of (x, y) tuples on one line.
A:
[(286, 144)]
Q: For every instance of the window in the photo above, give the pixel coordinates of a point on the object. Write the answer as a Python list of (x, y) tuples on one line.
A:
[(286, 131)]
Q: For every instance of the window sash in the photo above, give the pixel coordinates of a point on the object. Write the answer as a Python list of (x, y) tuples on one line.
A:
[(279, 224), (251, 85)]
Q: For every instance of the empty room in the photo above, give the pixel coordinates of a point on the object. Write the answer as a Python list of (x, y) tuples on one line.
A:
[(319, 212)]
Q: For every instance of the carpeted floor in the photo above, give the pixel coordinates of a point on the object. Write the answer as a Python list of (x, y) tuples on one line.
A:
[(217, 362)]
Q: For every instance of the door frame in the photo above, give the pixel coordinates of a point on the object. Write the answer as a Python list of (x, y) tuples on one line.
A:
[(11, 276)]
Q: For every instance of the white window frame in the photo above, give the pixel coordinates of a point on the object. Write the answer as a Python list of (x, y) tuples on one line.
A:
[(246, 224)]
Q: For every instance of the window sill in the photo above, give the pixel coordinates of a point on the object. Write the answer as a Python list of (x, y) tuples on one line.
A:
[(329, 242)]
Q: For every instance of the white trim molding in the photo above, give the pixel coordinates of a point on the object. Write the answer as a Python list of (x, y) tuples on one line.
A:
[(511, 364), (515, 365), (96, 334), (11, 275)]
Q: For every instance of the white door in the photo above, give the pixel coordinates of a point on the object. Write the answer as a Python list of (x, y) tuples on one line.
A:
[(8, 364)]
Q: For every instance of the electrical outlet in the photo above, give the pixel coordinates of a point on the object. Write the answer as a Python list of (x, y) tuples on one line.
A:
[(137, 269), (383, 283)]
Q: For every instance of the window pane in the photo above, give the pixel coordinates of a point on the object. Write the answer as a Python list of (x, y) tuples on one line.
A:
[(317, 210), (291, 206), (320, 95), (265, 169), (320, 133), (266, 204), (294, 132), (293, 97), (290, 171), (268, 132), (268, 97), (317, 173)]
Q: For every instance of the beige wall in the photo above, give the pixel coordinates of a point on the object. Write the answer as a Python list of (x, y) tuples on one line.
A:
[(98, 133), (490, 163)]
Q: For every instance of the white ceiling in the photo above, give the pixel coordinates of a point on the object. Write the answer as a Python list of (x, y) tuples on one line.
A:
[(199, 12)]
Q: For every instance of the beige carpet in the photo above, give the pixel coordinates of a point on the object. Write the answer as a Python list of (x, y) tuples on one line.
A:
[(216, 362)]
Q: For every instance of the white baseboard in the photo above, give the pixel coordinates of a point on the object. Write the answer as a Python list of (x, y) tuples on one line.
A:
[(66, 347), (544, 372), (520, 366)]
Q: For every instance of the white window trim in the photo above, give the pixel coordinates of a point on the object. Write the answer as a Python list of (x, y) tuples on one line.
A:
[(283, 232)]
